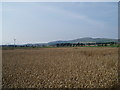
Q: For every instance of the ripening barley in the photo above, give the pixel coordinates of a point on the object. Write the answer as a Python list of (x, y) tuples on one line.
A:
[(83, 67)]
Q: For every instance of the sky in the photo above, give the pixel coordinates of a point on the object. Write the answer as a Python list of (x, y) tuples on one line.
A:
[(40, 22), (0, 23)]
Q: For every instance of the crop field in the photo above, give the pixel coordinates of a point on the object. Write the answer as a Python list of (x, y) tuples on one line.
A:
[(65, 67)]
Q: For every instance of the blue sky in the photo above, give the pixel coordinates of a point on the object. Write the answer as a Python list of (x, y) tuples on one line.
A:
[(43, 22)]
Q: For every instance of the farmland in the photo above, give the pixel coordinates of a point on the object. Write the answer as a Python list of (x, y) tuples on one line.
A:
[(66, 67)]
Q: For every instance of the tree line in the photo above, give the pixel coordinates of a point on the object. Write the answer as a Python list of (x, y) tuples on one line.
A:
[(85, 44)]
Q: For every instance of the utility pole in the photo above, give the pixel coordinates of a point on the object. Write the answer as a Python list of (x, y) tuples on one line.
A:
[(14, 42)]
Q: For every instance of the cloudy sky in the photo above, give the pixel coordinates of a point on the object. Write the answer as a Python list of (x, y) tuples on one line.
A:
[(43, 22)]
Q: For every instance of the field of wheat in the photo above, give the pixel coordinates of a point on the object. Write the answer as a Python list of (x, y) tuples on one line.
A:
[(71, 67)]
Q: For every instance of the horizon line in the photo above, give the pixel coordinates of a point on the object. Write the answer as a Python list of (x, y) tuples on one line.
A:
[(57, 40)]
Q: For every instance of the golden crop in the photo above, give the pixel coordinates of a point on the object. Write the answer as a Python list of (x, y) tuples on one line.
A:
[(71, 67)]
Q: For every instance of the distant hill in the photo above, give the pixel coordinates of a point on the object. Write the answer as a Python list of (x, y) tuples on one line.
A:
[(86, 39), (80, 40), (55, 42)]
